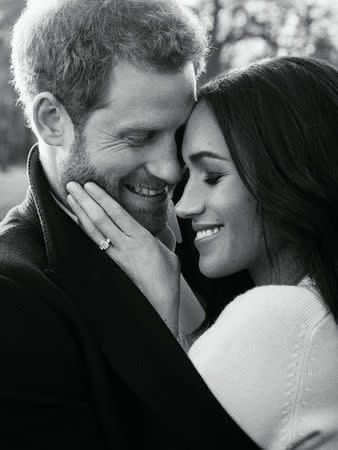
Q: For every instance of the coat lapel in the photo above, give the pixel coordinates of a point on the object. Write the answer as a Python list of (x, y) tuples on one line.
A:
[(131, 336)]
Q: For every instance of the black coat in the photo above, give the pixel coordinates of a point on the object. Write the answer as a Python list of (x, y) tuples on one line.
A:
[(86, 362)]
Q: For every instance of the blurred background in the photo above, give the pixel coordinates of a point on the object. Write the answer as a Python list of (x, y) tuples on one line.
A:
[(242, 31)]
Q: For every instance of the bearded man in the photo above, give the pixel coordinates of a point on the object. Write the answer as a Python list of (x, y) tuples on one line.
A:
[(87, 363)]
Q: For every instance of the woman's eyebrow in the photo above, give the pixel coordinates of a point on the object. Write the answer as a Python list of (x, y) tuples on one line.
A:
[(196, 157)]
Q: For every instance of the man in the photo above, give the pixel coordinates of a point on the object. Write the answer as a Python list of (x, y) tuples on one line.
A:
[(86, 361)]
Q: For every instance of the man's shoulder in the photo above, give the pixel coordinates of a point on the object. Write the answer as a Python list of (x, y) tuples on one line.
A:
[(24, 269), (30, 299), (21, 240)]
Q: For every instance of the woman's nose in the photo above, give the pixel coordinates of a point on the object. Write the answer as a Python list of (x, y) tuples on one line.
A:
[(190, 204)]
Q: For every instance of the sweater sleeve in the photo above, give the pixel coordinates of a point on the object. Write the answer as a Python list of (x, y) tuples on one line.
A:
[(271, 360), (191, 315)]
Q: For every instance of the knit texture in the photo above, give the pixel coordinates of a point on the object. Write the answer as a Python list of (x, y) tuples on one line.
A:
[(271, 360)]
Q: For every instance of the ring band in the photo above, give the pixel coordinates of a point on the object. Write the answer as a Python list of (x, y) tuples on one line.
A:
[(104, 244)]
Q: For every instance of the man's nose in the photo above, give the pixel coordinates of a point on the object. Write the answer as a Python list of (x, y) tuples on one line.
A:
[(191, 203), (166, 166)]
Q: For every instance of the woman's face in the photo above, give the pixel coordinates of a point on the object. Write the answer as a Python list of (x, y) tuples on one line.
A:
[(222, 210)]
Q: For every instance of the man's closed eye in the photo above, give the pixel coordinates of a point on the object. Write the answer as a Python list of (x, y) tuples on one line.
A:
[(140, 139)]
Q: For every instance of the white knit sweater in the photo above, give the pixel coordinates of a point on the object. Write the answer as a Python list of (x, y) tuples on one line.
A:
[(271, 360)]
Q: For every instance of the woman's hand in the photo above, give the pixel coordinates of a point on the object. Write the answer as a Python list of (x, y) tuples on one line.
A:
[(150, 264)]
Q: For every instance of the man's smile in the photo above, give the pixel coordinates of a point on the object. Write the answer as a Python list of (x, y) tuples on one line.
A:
[(146, 191), (147, 202)]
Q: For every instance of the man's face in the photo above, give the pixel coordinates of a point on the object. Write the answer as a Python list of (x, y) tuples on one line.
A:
[(128, 145)]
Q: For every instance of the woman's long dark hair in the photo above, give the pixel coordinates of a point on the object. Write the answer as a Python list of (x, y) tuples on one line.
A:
[(279, 118)]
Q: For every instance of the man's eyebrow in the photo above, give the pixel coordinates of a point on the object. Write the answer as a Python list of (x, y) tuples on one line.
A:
[(138, 127), (142, 126), (196, 157)]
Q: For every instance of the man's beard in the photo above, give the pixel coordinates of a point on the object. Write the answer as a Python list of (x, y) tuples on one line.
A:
[(78, 168)]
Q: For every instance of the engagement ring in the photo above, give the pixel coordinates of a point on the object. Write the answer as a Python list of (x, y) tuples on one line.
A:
[(104, 244)]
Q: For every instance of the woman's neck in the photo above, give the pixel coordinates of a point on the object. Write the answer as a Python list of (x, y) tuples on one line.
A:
[(281, 268)]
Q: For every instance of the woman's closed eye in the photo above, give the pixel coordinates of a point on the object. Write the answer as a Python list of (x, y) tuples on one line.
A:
[(213, 178)]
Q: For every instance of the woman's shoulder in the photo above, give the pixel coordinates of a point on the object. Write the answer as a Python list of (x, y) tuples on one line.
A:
[(266, 319), (272, 311), (276, 306), (258, 355), (263, 322)]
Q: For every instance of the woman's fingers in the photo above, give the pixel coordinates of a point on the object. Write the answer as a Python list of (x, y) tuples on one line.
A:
[(146, 261), (85, 222), (93, 217), (115, 211)]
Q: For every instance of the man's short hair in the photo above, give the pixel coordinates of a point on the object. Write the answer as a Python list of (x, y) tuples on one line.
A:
[(70, 47)]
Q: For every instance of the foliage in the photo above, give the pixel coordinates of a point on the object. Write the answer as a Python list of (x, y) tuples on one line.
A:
[(13, 186), (245, 30), (15, 138), (241, 31)]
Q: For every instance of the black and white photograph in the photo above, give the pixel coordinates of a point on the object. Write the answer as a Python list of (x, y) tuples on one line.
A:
[(168, 224)]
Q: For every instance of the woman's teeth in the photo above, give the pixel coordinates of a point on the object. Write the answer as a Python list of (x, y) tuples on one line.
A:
[(206, 233), (146, 192)]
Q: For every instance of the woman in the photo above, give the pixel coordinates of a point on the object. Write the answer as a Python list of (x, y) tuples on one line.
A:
[(262, 195)]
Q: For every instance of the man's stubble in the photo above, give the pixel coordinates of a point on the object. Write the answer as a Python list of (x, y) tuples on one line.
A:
[(78, 168)]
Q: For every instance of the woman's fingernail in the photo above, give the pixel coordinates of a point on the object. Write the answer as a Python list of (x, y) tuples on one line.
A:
[(69, 198), (72, 186), (90, 186)]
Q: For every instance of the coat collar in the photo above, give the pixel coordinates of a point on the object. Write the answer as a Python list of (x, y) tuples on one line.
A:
[(131, 336)]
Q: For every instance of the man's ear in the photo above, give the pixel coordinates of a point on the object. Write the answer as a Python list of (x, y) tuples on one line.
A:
[(50, 119)]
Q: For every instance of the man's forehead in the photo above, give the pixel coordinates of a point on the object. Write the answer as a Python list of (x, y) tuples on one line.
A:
[(155, 98), (130, 83), (143, 119), (155, 103)]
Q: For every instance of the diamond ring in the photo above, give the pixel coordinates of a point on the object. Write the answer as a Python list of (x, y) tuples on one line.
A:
[(104, 244)]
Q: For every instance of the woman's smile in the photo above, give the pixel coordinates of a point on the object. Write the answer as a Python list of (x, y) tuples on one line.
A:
[(206, 234)]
